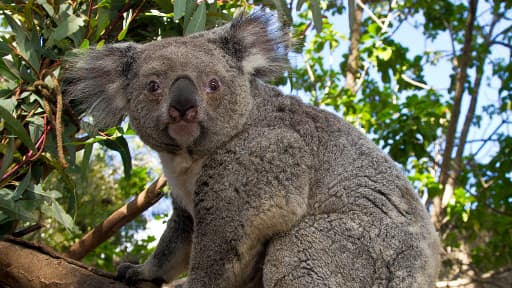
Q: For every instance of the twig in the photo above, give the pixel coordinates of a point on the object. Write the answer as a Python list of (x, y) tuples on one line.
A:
[(28, 230), (58, 121), (30, 156), (415, 83)]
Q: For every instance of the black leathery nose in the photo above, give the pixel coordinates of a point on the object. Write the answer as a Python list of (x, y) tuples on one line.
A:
[(183, 95)]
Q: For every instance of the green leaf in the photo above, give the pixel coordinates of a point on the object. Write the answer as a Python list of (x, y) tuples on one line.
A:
[(50, 194), (120, 145), (198, 21), (16, 128), (384, 53), (22, 186), (46, 6), (4, 49), (68, 26), (55, 211), (85, 44), (179, 9), (373, 29), (122, 34), (314, 5), (8, 155), (28, 42), (25, 210), (6, 72)]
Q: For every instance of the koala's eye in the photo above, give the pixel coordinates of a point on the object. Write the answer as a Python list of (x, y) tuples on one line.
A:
[(153, 87), (213, 85)]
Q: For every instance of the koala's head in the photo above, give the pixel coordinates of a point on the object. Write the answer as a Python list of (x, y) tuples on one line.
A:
[(187, 92)]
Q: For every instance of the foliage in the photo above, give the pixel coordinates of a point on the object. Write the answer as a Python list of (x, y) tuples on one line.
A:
[(405, 99)]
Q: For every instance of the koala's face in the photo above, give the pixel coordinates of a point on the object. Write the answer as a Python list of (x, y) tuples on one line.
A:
[(180, 93), (187, 92)]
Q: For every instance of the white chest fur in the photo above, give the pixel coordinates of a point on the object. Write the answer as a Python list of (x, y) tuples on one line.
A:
[(181, 171)]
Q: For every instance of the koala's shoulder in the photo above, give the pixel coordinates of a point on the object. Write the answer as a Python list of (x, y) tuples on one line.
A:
[(275, 144)]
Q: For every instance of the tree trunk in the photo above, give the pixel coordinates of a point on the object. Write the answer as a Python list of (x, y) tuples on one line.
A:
[(355, 18), (446, 177)]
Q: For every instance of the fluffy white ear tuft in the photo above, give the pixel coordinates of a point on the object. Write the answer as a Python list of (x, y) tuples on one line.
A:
[(258, 43), (96, 82)]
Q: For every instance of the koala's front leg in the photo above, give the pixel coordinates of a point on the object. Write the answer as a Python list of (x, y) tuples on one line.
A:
[(243, 200), (171, 256)]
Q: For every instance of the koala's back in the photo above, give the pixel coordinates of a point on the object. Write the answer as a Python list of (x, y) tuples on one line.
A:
[(364, 225)]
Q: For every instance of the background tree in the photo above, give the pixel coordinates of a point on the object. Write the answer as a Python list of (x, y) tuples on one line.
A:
[(429, 81)]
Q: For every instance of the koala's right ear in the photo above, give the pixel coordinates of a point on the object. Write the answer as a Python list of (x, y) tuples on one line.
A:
[(95, 82)]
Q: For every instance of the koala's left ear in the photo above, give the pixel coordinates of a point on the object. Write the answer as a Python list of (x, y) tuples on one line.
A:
[(257, 43), (96, 82)]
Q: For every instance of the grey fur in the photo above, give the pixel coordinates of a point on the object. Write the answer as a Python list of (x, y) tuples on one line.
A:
[(267, 191)]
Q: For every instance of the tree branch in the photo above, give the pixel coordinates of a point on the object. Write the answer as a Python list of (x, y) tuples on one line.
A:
[(464, 61), (117, 220), (355, 18)]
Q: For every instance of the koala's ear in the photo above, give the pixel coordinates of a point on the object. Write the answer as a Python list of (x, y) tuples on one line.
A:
[(257, 42), (96, 81)]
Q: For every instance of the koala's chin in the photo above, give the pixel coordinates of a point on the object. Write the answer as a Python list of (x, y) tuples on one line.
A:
[(184, 133)]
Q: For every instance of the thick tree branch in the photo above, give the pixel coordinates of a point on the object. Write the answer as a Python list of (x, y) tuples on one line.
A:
[(118, 219), (27, 265), (463, 61)]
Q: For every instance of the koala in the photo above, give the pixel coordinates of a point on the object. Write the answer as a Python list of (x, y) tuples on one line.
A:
[(267, 191)]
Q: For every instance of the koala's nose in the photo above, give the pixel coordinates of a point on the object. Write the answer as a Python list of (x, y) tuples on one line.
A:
[(183, 103)]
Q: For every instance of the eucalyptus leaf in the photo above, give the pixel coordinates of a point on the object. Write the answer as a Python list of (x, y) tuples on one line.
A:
[(120, 145), (6, 71), (8, 155), (198, 21), (68, 26), (25, 210), (180, 7), (22, 186), (16, 128), (316, 11), (55, 211)]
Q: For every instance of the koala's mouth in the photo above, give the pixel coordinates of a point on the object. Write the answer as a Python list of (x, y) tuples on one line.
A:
[(183, 125), (183, 132)]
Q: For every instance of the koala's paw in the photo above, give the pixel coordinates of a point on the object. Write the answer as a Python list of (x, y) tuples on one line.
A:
[(129, 273), (132, 274)]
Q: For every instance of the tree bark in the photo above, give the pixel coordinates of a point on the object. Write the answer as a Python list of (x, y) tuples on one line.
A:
[(27, 265), (446, 178), (355, 18)]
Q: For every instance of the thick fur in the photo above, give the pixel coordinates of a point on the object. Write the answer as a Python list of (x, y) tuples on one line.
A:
[(267, 191)]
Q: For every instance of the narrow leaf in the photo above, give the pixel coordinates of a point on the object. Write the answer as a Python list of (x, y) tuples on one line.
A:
[(120, 145), (6, 72), (8, 156), (317, 14), (55, 211), (198, 21), (22, 210), (16, 128), (68, 26), (4, 49), (22, 186), (179, 9)]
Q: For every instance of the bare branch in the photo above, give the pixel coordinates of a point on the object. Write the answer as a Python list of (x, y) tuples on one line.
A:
[(118, 219)]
